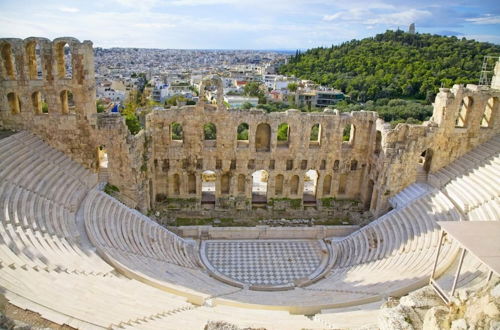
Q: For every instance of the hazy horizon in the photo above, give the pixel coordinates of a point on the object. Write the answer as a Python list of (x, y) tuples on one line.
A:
[(284, 25)]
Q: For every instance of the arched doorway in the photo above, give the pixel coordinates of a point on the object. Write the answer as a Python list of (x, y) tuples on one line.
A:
[(310, 185), (102, 164), (259, 187), (208, 187)]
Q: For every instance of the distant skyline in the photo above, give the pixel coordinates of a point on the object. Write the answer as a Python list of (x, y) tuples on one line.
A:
[(255, 24)]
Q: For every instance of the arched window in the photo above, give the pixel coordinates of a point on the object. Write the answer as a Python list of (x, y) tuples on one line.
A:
[(241, 183), (342, 184), (263, 137), (34, 60), (283, 135), (278, 185), (315, 136), (369, 194), (354, 165), (336, 165), (66, 100), (491, 107), (8, 61), (39, 104), (176, 133), (209, 132), (191, 183), (349, 134), (224, 183), (14, 103), (242, 135), (378, 143), (463, 113), (242, 132), (176, 182), (63, 61), (327, 185), (294, 185)]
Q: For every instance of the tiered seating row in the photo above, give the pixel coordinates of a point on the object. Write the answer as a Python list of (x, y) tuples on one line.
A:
[(409, 229), (244, 318), (489, 211), (110, 224), (32, 164), (88, 302), (409, 194), (37, 229), (479, 169), (186, 281)]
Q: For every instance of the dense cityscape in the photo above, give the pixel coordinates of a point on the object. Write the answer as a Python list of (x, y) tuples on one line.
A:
[(166, 76)]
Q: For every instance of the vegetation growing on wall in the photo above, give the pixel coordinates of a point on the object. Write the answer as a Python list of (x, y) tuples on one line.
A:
[(393, 64), (110, 189), (135, 100)]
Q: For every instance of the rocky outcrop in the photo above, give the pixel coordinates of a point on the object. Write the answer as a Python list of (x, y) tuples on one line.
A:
[(423, 309)]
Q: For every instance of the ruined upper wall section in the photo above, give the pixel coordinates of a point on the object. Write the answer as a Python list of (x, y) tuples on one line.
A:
[(495, 81), (48, 87), (42, 78)]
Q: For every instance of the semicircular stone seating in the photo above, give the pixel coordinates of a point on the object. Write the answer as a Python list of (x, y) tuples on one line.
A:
[(79, 257)]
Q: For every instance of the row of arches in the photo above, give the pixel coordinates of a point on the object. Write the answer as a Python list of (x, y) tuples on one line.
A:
[(34, 60), (262, 134), (259, 185), (40, 104), (463, 116)]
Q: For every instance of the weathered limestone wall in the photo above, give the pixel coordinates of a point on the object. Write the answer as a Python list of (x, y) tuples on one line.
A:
[(401, 159), (331, 157), (71, 123), (66, 125), (376, 163), (263, 232)]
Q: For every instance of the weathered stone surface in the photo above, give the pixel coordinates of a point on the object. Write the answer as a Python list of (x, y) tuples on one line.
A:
[(421, 298), (374, 164), (396, 318), (459, 324), (436, 318)]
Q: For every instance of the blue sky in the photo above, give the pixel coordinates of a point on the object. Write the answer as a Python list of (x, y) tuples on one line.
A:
[(230, 24)]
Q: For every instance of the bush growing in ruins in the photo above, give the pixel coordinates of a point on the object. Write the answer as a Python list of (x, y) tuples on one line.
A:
[(135, 100), (176, 100), (110, 189), (99, 106), (177, 133)]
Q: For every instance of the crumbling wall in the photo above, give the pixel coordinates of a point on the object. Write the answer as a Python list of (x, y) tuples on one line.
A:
[(38, 92), (42, 92)]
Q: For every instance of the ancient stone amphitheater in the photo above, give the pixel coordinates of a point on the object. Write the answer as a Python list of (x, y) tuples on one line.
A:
[(81, 258)]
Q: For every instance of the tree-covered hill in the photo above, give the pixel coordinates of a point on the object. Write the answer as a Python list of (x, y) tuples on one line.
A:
[(393, 64)]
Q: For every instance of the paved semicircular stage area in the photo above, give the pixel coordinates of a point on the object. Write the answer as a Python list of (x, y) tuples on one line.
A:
[(264, 262)]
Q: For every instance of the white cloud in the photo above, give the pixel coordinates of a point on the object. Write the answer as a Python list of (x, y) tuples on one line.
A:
[(332, 17), (153, 25), (403, 17), (372, 17), (69, 9), (486, 19)]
